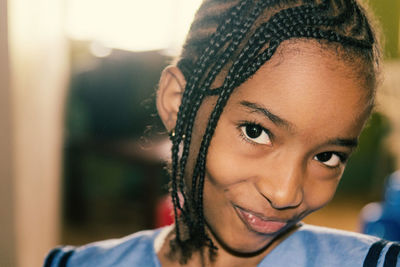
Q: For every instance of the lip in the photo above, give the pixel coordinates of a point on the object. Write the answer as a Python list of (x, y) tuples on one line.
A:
[(259, 223)]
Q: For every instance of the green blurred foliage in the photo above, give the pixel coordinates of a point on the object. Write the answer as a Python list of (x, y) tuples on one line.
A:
[(388, 14), (370, 163)]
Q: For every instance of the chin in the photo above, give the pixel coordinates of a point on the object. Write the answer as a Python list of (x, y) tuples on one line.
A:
[(244, 242)]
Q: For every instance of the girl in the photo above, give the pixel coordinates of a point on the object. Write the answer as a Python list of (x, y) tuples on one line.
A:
[(264, 107)]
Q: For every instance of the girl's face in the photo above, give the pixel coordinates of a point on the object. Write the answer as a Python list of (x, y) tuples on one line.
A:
[(281, 145)]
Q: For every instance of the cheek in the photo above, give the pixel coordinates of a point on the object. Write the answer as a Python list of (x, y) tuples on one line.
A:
[(225, 164), (319, 192)]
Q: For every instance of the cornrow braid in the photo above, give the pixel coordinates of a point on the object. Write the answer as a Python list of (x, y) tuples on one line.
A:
[(177, 175), (240, 39)]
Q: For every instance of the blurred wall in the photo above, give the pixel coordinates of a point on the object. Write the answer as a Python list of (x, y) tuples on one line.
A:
[(7, 233), (33, 80), (388, 101)]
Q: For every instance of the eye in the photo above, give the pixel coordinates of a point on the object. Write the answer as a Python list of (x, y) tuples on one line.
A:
[(330, 159), (255, 133)]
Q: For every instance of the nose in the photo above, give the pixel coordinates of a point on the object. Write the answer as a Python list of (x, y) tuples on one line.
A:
[(282, 185)]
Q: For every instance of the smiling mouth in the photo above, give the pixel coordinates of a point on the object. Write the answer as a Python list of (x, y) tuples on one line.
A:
[(258, 224)]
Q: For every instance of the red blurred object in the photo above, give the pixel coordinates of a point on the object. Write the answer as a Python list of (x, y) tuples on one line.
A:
[(164, 212)]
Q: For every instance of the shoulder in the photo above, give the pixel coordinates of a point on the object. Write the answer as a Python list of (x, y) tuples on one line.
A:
[(133, 250), (321, 246), (333, 237)]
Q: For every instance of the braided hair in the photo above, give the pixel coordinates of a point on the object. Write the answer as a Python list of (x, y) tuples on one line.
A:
[(230, 40)]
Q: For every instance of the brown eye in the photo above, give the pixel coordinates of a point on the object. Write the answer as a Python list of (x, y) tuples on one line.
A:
[(330, 159), (253, 131), (256, 134)]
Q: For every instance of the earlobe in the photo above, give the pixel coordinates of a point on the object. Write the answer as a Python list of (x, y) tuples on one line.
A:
[(169, 95)]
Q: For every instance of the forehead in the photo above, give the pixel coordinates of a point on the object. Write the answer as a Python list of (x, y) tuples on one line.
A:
[(308, 86)]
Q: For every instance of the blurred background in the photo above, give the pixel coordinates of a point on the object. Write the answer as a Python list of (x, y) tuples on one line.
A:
[(81, 147)]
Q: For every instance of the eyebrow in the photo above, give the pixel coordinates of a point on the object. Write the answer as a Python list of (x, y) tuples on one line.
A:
[(351, 142), (254, 107)]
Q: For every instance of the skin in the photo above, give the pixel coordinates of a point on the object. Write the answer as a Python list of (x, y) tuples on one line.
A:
[(318, 104)]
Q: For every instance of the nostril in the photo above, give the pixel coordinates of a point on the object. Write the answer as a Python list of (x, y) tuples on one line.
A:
[(282, 200), (282, 187)]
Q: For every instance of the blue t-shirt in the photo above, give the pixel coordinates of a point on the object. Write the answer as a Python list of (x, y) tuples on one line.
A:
[(306, 247)]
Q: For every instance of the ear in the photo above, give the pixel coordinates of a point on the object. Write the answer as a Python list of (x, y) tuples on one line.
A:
[(169, 95)]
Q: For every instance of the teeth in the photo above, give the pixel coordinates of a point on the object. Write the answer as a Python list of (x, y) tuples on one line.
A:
[(251, 218)]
